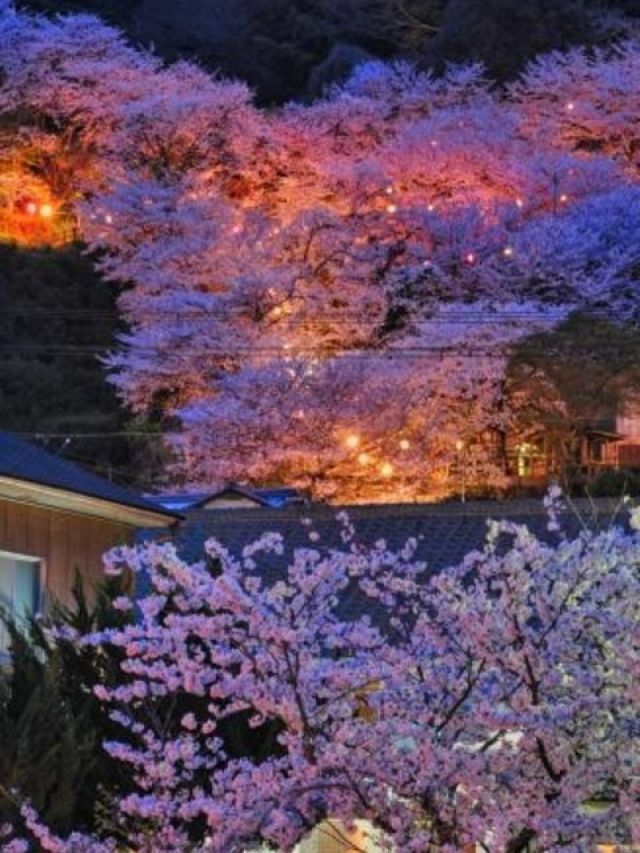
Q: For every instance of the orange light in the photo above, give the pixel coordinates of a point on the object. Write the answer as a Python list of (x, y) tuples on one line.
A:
[(352, 441), (392, 208), (364, 459), (32, 208), (386, 469), (404, 444), (46, 211)]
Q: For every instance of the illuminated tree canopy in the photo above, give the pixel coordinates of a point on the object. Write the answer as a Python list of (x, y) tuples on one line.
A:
[(327, 294)]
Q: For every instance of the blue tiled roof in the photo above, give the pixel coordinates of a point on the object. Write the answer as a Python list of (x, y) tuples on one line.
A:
[(22, 460), (445, 532)]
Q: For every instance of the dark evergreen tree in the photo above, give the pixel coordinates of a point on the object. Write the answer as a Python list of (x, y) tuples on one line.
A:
[(57, 317), (506, 34)]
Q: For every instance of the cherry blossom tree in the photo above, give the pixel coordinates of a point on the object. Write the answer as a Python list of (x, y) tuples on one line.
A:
[(289, 276), (491, 704)]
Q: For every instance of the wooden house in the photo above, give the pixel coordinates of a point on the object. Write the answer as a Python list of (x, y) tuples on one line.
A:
[(57, 519)]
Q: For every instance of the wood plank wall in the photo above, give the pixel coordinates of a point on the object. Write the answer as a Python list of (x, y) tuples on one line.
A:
[(65, 541)]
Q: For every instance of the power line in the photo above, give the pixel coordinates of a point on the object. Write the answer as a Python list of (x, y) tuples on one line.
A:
[(462, 317)]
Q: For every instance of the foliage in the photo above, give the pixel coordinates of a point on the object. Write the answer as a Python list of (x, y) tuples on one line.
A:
[(494, 703), (506, 36), (51, 725), (329, 294), (573, 380), (56, 318), (615, 482), (277, 47)]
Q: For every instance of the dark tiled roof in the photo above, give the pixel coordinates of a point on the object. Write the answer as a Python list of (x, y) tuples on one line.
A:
[(276, 497), (25, 461), (446, 532)]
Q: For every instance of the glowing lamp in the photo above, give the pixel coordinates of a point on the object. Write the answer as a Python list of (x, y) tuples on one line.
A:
[(564, 198), (519, 203), (32, 208), (470, 258), (404, 444), (46, 211), (364, 459), (571, 107), (108, 219), (459, 445), (386, 469), (389, 189), (392, 208), (352, 441), (277, 311), (508, 252)]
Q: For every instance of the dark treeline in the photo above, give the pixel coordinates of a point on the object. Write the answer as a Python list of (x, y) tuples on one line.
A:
[(287, 49)]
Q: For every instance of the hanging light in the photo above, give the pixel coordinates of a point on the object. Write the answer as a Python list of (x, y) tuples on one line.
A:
[(46, 211), (386, 469), (352, 441), (404, 444), (364, 459), (32, 208)]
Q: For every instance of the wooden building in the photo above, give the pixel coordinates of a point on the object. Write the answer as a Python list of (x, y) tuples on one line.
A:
[(57, 519)]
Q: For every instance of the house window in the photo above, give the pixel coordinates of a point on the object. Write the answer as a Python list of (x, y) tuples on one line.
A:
[(20, 589)]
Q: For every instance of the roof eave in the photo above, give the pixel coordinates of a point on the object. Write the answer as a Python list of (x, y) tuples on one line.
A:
[(42, 494)]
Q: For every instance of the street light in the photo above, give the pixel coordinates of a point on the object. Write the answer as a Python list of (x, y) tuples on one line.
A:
[(462, 465), (352, 441), (386, 469)]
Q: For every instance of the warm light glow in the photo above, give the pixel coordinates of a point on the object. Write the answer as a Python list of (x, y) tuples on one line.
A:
[(508, 252), (470, 258), (364, 459), (459, 445), (389, 189), (386, 469), (32, 208), (564, 198), (392, 208), (277, 311), (46, 211), (108, 219), (519, 203), (352, 441), (404, 444), (431, 208), (571, 106)]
